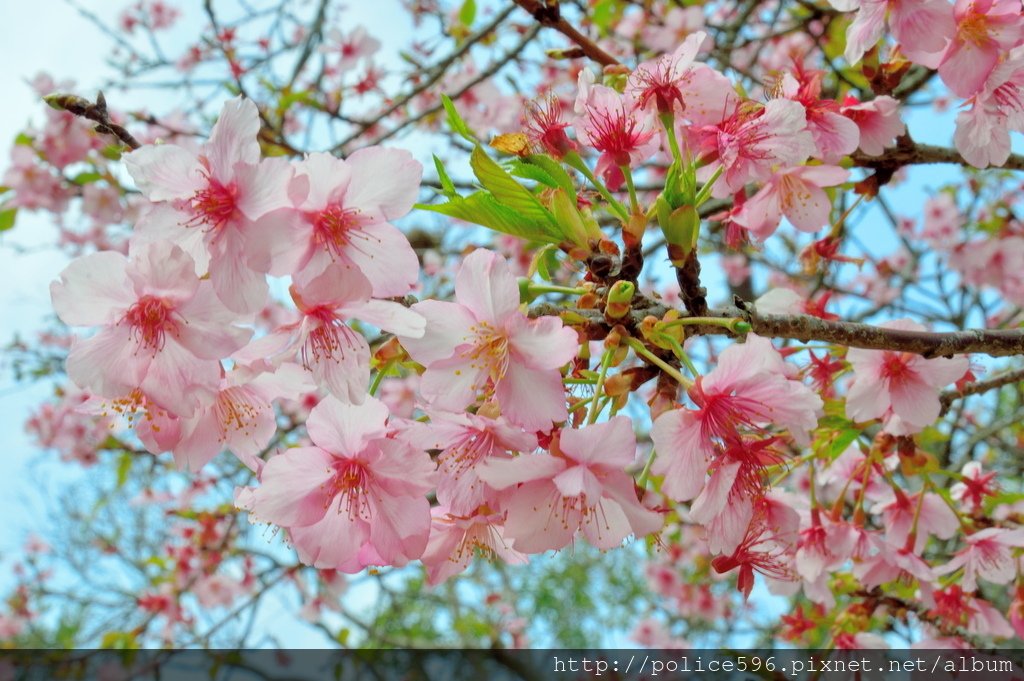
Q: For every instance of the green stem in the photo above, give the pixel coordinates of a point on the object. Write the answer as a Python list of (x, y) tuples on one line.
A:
[(634, 205), (640, 350), (379, 378), (606, 361), (574, 161), (668, 122), (705, 191), (545, 288), (734, 324), (677, 348), (646, 472)]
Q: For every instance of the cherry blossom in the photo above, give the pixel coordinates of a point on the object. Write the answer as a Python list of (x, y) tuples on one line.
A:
[(483, 343), (322, 340), (581, 485), (795, 193), (205, 202), (354, 498), (160, 329), (340, 216), (909, 383)]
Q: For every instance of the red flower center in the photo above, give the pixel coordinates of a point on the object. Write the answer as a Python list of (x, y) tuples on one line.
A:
[(150, 319)]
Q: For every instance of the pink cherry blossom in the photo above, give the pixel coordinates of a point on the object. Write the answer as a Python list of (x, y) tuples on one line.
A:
[(581, 485), (484, 343), (751, 142), (662, 84), (206, 202), (988, 555), (974, 487), (160, 329), (922, 27), (888, 383), (354, 498), (239, 416), (456, 540), (902, 513), (748, 388), (985, 31), (337, 355), (608, 122), (878, 120), (795, 193), (834, 135), (340, 216), (467, 443), (982, 133)]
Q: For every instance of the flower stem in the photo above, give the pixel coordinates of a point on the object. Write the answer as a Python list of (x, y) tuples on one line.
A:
[(634, 204), (379, 378), (574, 161), (705, 191), (606, 361), (640, 350)]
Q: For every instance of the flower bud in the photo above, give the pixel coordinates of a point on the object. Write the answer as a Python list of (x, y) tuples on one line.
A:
[(680, 227), (620, 298)]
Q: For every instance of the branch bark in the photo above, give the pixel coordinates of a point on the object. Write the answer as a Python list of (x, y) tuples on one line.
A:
[(804, 328), (547, 13)]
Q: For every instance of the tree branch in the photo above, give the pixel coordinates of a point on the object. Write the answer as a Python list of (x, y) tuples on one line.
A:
[(547, 13), (1008, 378), (804, 328), (97, 112)]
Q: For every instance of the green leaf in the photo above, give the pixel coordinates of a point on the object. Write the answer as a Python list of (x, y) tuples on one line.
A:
[(556, 171), (528, 171), (23, 139), (483, 209), (7, 217), (510, 193), (843, 440), (447, 186), (124, 466), (468, 12), (86, 178), (455, 121)]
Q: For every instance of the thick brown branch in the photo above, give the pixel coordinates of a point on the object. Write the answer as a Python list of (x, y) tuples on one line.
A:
[(921, 154), (97, 112), (547, 13), (804, 328), (694, 296), (996, 342)]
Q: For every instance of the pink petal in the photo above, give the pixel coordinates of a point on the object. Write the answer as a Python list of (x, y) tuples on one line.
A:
[(292, 487), (384, 179), (162, 269), (504, 473), (449, 325), (210, 331), (530, 398), (233, 138), (682, 454), (610, 444), (345, 429), (388, 316), (263, 188), (485, 285), (165, 172), (109, 364), (542, 343), (400, 528), (240, 289), (333, 542), (807, 206), (93, 290)]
